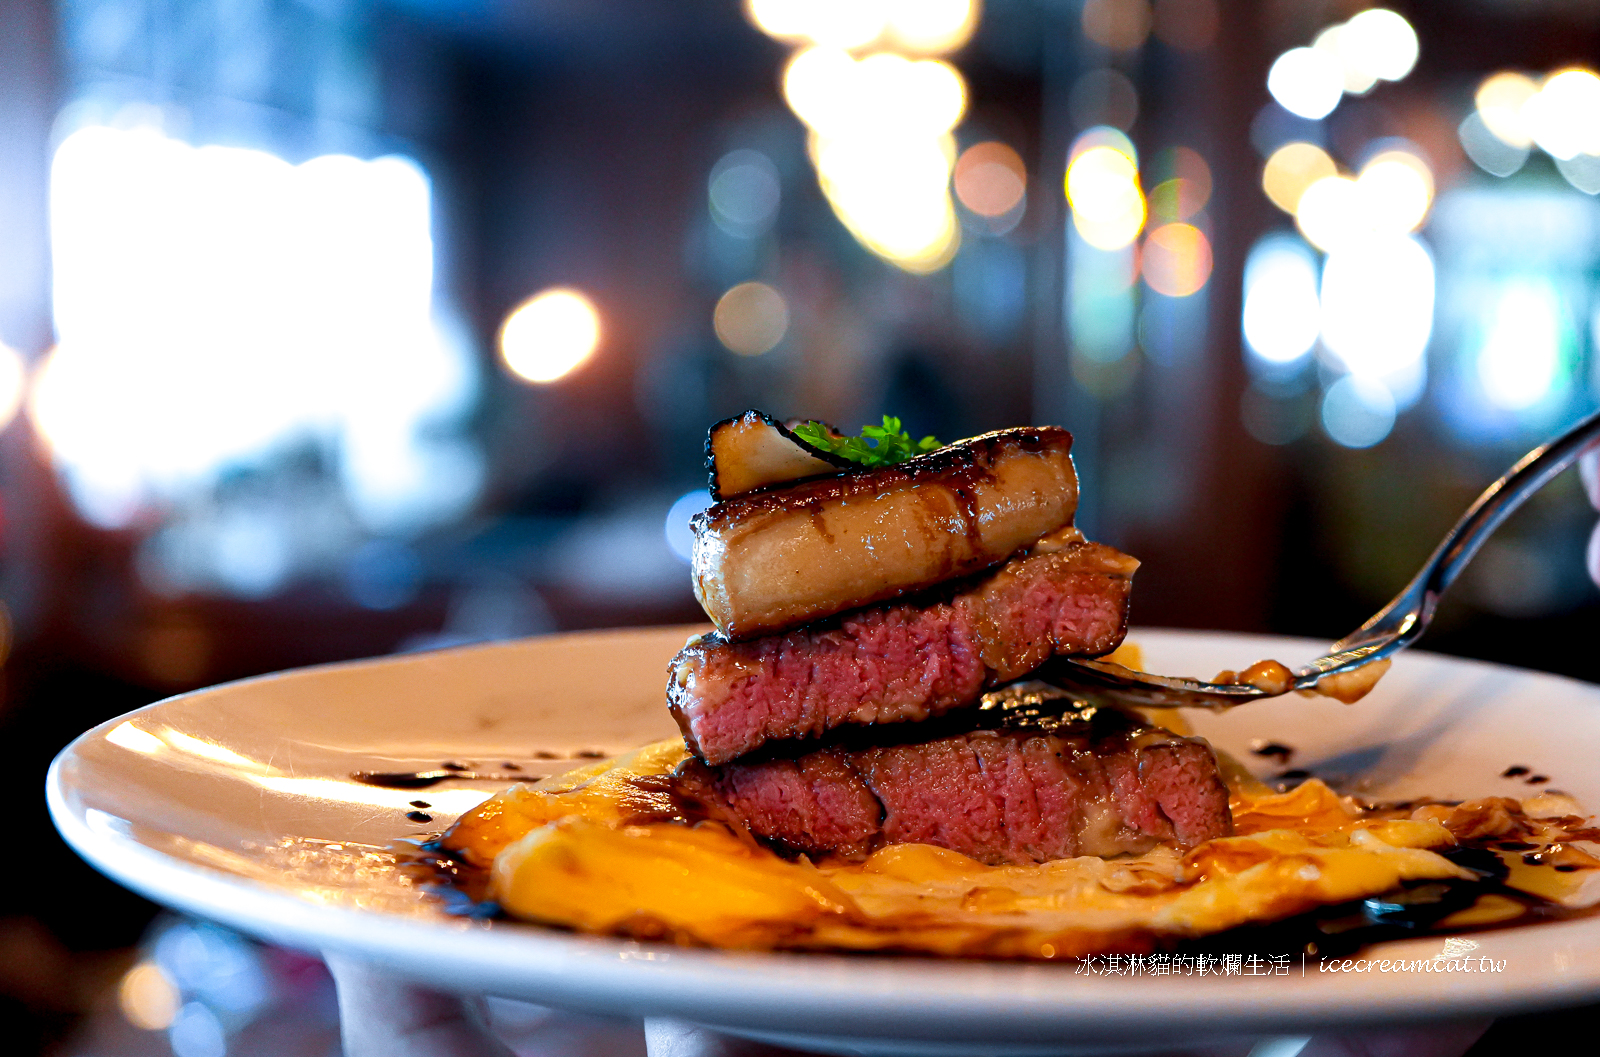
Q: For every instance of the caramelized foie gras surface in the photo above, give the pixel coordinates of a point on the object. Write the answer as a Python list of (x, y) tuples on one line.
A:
[(778, 557)]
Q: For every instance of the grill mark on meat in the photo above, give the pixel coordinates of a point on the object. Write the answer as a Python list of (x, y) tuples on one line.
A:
[(901, 662), (1002, 796)]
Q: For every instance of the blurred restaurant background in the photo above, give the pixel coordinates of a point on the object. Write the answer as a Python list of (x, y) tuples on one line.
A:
[(334, 328)]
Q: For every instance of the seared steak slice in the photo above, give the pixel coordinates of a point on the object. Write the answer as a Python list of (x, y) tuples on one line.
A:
[(1000, 796), (901, 661), (782, 556)]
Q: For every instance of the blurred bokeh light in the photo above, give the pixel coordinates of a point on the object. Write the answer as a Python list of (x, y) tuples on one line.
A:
[(751, 318), (365, 328), (1108, 206), (990, 179), (1176, 259), (550, 335), (1293, 168)]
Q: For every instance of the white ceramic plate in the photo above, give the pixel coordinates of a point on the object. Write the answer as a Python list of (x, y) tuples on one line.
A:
[(236, 804)]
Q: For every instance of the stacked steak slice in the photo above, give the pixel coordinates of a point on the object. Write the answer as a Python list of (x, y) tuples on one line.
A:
[(839, 717), (1103, 785), (903, 661)]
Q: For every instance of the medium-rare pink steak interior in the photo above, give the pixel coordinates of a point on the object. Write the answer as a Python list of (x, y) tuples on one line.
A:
[(862, 615), (1000, 796), (901, 661)]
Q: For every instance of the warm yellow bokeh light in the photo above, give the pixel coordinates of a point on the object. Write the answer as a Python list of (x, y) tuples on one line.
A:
[(830, 23), (750, 319), (549, 335), (780, 19), (1291, 169), (1330, 211), (1378, 43), (1395, 190), (63, 419), (1108, 207), (1306, 82), (893, 195), (1104, 136), (13, 381), (1176, 260), (932, 27), (1500, 100), (816, 85), (1564, 117), (990, 178), (1357, 80), (1121, 25), (882, 94), (147, 998)]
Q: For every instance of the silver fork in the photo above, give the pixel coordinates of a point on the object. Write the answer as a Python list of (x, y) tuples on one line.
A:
[(1395, 626)]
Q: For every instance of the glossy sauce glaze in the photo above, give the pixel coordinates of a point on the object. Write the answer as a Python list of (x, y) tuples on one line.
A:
[(1497, 862), (779, 557)]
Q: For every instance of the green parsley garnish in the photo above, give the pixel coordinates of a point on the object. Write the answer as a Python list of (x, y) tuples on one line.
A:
[(884, 445)]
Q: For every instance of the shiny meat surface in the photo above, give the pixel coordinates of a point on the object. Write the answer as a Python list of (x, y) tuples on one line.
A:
[(780, 557), (901, 661), (999, 796)]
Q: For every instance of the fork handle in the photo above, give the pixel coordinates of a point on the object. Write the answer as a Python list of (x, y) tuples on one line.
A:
[(1404, 619)]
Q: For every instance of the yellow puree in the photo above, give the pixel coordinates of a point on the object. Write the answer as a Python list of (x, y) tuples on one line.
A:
[(560, 852)]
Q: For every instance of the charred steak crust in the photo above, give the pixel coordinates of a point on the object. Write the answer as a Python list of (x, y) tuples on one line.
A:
[(999, 796), (903, 661), (782, 556)]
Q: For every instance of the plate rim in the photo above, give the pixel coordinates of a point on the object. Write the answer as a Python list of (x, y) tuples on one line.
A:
[(1028, 1002)]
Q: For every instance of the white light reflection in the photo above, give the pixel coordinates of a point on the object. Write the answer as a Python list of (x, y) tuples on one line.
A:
[(831, 23), (1500, 100), (1357, 80), (1582, 172), (1564, 117), (744, 193), (1487, 150), (893, 196), (550, 335), (1306, 82), (1379, 43), (13, 381), (1357, 412), (216, 305), (444, 801), (679, 536), (1395, 189), (1102, 186), (210, 750), (1377, 310), (1329, 212), (128, 736), (1520, 362), (932, 27), (196, 1032), (882, 147), (1281, 305)]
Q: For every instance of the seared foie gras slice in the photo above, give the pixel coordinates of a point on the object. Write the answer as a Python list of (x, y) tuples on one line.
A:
[(781, 557), (901, 661)]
